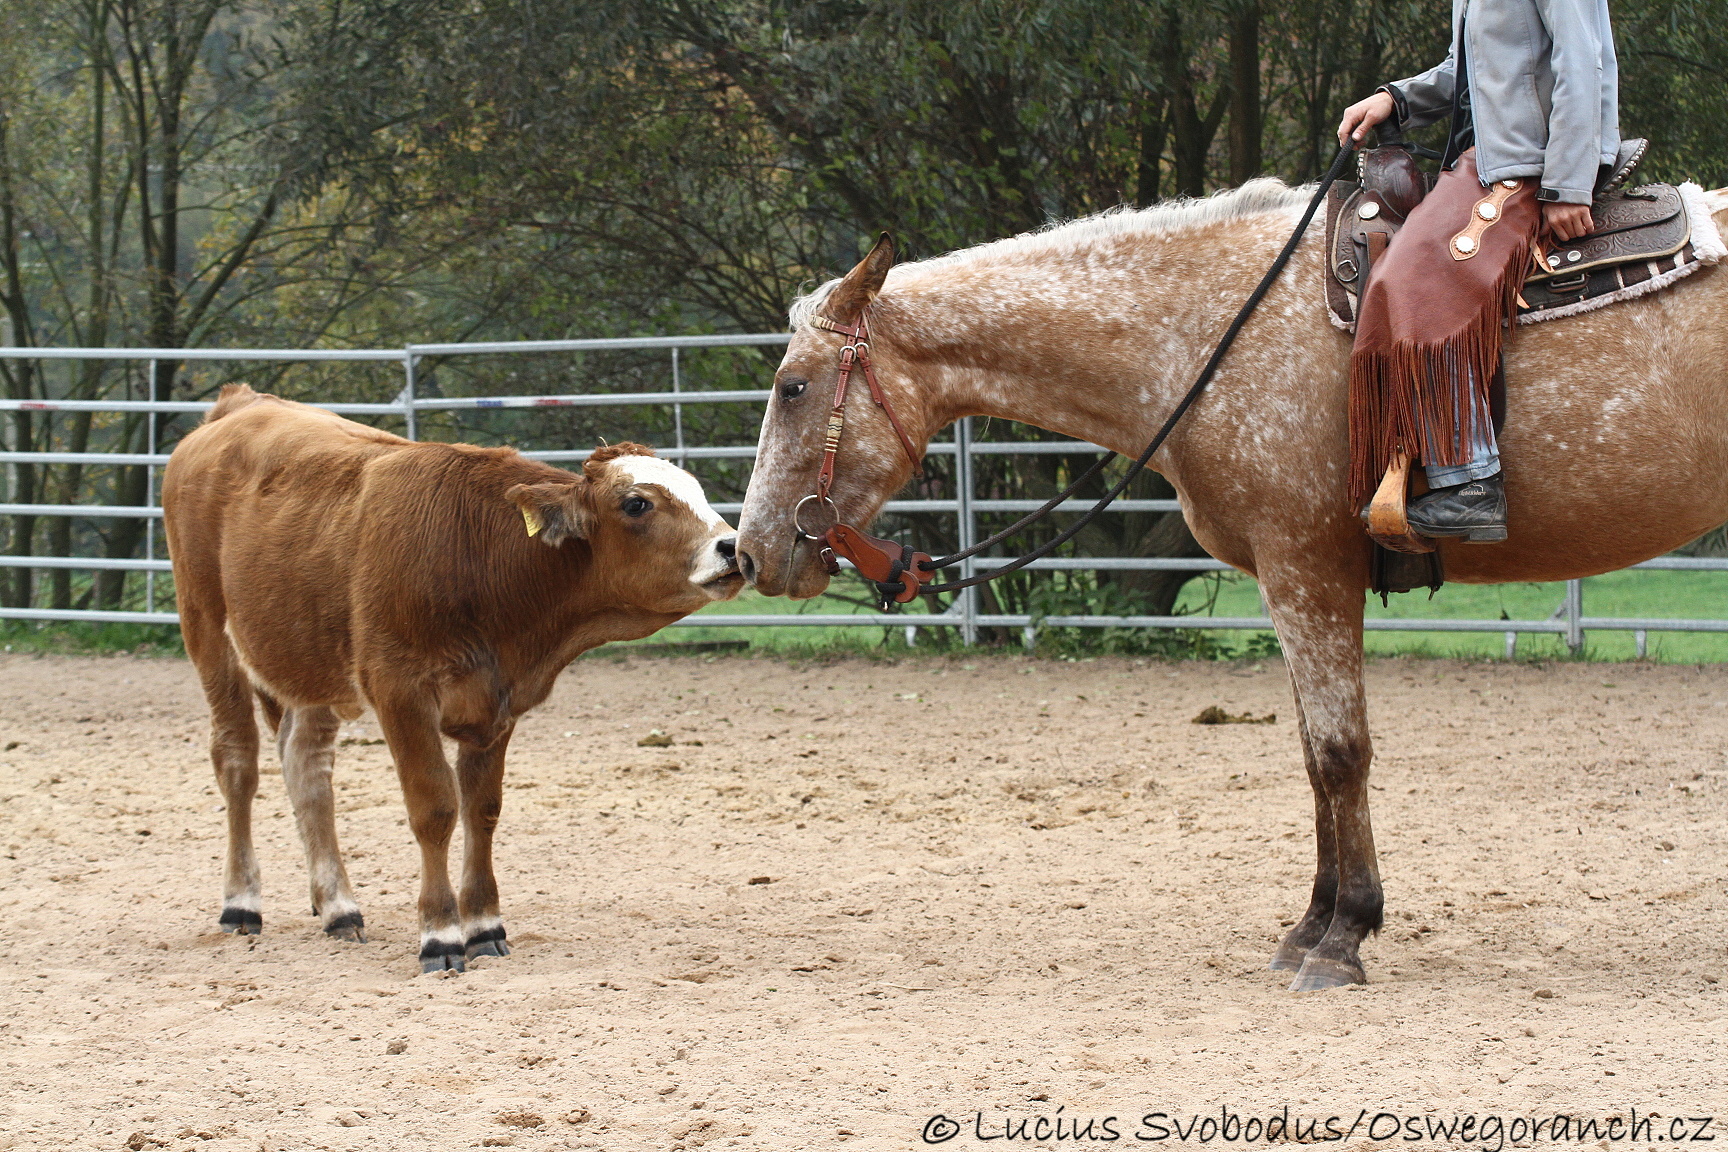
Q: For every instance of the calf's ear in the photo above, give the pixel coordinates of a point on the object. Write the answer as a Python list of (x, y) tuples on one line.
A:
[(552, 511)]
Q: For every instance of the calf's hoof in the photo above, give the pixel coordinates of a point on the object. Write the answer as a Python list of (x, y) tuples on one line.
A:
[(440, 956), (1318, 973), (241, 921), (487, 943), (349, 926)]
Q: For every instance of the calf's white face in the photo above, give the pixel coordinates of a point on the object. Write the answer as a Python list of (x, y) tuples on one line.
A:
[(713, 567), (656, 542)]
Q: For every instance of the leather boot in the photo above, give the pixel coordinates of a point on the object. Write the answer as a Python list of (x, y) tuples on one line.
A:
[(1476, 511)]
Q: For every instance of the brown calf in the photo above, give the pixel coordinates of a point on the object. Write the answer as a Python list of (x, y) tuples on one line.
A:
[(322, 565)]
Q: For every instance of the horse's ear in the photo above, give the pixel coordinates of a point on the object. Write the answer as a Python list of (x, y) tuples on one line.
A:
[(854, 293)]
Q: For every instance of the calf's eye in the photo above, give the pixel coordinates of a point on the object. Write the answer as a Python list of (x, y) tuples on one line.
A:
[(792, 389), (636, 506)]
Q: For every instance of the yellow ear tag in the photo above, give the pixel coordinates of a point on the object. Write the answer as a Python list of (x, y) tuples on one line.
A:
[(531, 519)]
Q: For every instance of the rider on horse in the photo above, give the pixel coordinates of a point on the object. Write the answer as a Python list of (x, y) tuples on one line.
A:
[(1532, 91)]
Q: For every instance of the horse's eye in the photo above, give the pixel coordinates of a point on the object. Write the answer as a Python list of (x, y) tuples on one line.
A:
[(792, 389), (636, 506)]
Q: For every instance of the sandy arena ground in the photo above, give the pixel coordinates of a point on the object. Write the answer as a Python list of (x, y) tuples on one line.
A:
[(996, 889)]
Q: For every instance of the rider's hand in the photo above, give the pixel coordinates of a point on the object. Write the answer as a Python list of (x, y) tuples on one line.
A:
[(1567, 221), (1363, 115)]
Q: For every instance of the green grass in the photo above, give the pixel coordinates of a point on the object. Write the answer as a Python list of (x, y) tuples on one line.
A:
[(1690, 595), (62, 636), (823, 639), (1702, 595), (1647, 594)]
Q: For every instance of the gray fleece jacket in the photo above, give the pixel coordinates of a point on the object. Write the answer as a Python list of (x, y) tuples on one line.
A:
[(1544, 91)]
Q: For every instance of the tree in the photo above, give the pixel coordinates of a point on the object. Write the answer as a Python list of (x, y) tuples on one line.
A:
[(146, 166), (184, 172)]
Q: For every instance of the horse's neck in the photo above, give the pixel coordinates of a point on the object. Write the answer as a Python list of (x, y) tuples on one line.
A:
[(1094, 346)]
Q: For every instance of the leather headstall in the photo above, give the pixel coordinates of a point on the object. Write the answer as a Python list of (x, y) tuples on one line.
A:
[(894, 568), (899, 573)]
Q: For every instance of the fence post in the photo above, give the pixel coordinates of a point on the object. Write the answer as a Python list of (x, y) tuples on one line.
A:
[(408, 394), (151, 446), (678, 413), (968, 527), (1574, 612)]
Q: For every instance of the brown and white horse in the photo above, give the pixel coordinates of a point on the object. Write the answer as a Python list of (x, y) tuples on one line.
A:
[(1615, 445)]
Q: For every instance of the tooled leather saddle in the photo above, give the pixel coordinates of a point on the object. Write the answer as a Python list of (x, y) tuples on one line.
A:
[(1642, 240)]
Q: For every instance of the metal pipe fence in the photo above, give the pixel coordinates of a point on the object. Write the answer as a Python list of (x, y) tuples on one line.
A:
[(964, 613)]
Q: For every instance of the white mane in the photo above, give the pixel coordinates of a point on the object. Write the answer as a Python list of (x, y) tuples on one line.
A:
[(1256, 197)]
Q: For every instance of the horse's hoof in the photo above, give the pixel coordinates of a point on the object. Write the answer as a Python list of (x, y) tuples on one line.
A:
[(241, 921), (349, 926), (440, 956), (487, 943), (1318, 973), (1288, 958)]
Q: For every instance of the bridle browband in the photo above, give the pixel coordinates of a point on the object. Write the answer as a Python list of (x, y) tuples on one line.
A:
[(900, 574)]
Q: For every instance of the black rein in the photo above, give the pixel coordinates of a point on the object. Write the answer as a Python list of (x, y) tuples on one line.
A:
[(888, 590)]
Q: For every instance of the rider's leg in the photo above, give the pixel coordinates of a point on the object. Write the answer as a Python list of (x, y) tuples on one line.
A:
[(1468, 499), (1478, 426), (1428, 335)]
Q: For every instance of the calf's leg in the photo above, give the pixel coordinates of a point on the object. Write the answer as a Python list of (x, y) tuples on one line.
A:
[(409, 719), (306, 738), (480, 772), (234, 753), (1319, 620)]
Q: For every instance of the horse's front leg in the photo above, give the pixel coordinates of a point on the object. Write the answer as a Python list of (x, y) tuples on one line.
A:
[(1318, 918), (1319, 620)]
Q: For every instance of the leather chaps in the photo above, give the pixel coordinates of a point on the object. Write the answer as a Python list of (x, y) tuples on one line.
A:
[(1433, 319)]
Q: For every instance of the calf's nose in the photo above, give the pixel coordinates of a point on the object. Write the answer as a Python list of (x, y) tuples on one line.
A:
[(727, 546)]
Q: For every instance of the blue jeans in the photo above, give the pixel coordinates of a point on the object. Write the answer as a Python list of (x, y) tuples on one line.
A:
[(1484, 451)]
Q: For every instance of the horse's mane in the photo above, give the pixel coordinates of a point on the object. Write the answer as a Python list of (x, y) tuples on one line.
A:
[(1256, 197)]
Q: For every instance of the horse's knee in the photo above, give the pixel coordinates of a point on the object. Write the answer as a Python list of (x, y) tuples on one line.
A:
[(239, 782), (1341, 762)]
